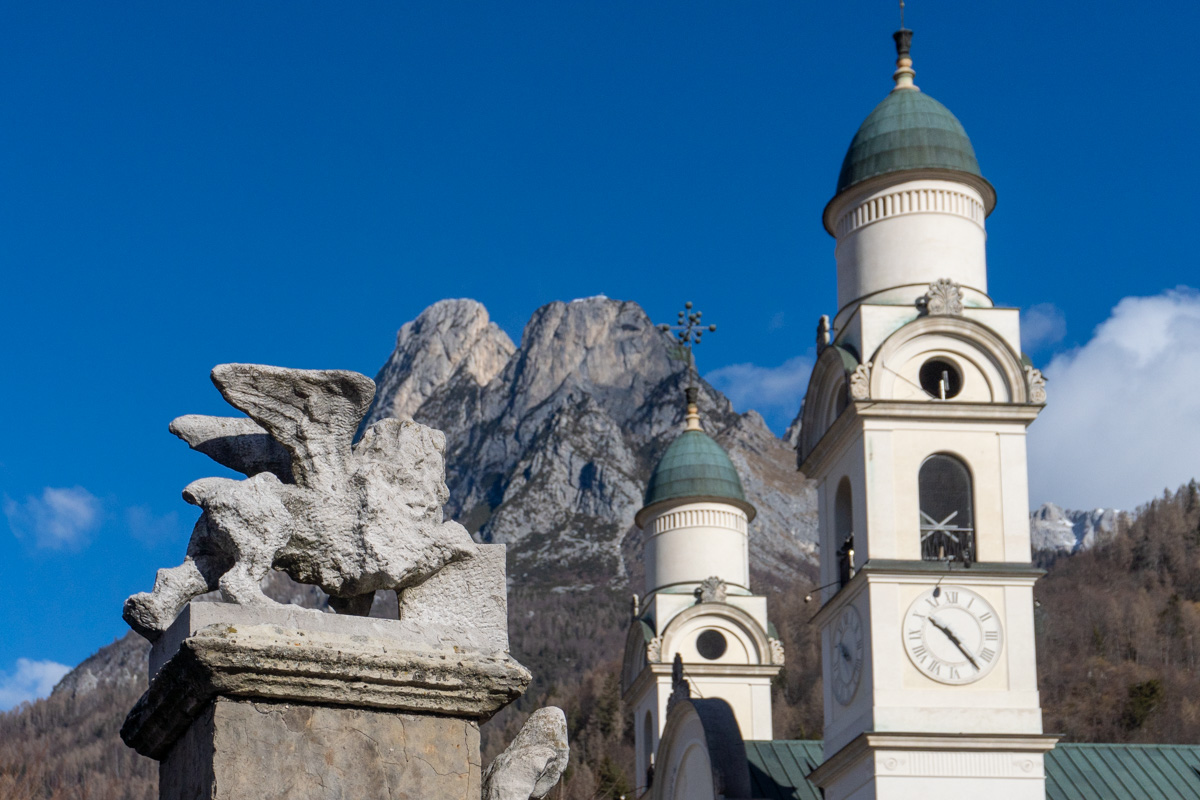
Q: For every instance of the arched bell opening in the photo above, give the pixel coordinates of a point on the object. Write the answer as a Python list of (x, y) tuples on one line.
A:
[(947, 509), (843, 531)]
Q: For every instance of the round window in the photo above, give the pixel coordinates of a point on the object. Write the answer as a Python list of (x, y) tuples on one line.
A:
[(940, 378), (711, 644)]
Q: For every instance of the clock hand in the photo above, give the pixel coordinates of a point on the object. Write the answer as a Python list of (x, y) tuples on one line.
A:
[(954, 639), (845, 652)]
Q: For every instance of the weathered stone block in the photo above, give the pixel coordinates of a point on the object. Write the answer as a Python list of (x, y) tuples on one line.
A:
[(255, 750), (287, 654)]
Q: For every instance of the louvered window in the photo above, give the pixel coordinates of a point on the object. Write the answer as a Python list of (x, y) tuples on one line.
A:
[(947, 518)]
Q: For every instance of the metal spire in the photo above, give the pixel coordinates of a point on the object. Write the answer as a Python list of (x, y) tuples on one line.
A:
[(904, 73)]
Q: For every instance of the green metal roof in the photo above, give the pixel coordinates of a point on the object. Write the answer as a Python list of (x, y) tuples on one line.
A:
[(779, 770), (1123, 771), (908, 130), (694, 466)]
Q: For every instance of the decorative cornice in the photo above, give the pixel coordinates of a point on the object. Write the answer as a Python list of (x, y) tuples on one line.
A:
[(948, 410), (923, 572), (979, 569), (642, 518), (866, 745), (274, 663), (860, 193), (910, 201), (699, 517)]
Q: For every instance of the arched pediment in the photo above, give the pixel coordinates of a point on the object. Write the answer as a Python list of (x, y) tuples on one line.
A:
[(991, 372), (827, 396), (701, 754), (746, 641), (639, 638)]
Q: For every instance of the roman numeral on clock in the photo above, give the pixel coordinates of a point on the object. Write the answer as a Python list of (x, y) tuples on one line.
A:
[(987, 654)]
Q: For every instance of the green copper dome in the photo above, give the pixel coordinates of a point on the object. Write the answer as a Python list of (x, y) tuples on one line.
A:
[(908, 130), (696, 467)]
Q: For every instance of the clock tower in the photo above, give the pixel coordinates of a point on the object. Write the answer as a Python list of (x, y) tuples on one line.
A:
[(914, 429)]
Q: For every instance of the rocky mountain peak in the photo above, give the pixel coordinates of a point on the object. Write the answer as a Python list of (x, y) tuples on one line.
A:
[(451, 340), (1057, 530), (552, 455), (608, 349)]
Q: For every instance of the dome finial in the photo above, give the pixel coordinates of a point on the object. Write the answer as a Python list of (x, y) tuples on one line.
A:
[(691, 421), (904, 73)]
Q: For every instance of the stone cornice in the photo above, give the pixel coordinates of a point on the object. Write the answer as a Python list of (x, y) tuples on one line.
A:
[(865, 744), (652, 672), (948, 410), (274, 663), (922, 572)]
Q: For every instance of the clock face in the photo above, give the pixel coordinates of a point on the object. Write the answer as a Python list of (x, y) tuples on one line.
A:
[(952, 635), (847, 656)]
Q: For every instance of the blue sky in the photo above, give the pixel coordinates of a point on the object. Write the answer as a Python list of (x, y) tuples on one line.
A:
[(187, 184)]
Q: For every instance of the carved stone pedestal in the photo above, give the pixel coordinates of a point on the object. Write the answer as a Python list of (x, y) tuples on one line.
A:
[(263, 702), (270, 750)]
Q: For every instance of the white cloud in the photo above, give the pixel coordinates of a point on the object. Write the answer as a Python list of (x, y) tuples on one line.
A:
[(1123, 418), (59, 519), (149, 528), (774, 392), (1042, 325), (31, 680)]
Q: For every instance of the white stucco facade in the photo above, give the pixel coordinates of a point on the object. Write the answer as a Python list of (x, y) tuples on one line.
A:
[(690, 541), (899, 232), (872, 427)]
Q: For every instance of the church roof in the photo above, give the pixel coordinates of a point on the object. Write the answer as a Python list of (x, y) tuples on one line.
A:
[(908, 130), (696, 467), (779, 770)]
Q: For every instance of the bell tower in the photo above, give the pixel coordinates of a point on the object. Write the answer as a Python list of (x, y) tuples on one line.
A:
[(914, 429), (698, 615)]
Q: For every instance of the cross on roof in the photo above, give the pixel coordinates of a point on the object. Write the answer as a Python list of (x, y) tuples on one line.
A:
[(688, 330)]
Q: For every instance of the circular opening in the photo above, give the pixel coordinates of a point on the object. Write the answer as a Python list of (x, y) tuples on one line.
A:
[(711, 644), (940, 379)]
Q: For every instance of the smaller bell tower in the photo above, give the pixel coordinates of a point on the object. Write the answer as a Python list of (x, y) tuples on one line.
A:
[(697, 605)]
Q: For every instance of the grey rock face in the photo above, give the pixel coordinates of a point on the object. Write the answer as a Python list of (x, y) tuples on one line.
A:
[(122, 663), (350, 519), (552, 455), (452, 340), (531, 766), (1057, 530)]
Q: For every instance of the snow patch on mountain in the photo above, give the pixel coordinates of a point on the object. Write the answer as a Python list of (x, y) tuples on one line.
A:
[(1057, 530)]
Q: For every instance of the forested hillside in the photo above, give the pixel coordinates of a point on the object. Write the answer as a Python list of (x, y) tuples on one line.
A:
[(1119, 630)]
